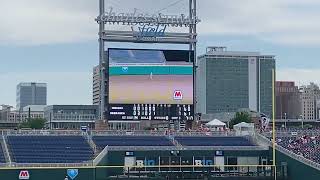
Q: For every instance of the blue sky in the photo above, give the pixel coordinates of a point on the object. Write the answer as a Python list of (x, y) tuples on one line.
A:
[(56, 41)]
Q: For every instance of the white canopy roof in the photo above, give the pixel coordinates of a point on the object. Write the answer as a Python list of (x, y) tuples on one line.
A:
[(215, 122), (244, 124)]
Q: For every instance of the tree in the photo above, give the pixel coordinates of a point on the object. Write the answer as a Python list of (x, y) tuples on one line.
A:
[(36, 123), (240, 117)]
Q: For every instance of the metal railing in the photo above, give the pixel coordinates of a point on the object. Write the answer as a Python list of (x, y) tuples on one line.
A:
[(118, 133), (6, 150), (102, 154), (41, 132), (150, 148), (48, 165)]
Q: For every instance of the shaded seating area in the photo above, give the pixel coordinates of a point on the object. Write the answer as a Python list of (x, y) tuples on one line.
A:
[(2, 159), (49, 149), (213, 141), (103, 141)]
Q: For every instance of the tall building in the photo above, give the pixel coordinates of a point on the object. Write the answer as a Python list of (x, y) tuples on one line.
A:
[(31, 93), (96, 86), (308, 96), (231, 80), (288, 104)]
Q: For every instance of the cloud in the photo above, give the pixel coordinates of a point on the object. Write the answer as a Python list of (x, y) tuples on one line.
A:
[(62, 87), (35, 22), (289, 22), (300, 76)]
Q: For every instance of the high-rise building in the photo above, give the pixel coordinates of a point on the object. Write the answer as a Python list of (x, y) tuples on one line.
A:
[(308, 96), (96, 86), (31, 93), (288, 104), (231, 80)]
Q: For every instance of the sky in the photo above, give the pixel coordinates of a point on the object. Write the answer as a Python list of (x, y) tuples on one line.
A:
[(55, 41)]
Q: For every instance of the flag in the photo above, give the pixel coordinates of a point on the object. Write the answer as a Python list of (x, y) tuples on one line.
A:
[(264, 121)]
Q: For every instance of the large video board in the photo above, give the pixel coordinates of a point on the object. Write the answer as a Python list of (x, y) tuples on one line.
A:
[(150, 84)]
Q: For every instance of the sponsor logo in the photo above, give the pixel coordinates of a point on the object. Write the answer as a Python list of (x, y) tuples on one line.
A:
[(149, 31), (177, 95), (24, 174), (142, 163), (203, 162), (72, 173), (134, 18), (125, 69)]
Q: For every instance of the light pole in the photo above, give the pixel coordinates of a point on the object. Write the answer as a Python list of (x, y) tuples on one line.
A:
[(285, 120), (301, 120)]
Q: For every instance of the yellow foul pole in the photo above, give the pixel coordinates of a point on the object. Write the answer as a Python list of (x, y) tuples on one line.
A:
[(273, 125)]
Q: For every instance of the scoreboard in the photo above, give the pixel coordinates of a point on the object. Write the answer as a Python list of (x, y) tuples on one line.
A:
[(150, 84), (151, 112)]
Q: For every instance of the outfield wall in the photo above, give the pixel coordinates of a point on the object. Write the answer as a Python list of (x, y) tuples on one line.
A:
[(297, 170)]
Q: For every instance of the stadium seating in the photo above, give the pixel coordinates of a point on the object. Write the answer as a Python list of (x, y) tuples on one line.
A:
[(103, 141), (49, 149), (213, 141), (2, 159), (306, 146)]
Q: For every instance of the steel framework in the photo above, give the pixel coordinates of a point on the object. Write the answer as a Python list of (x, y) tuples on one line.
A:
[(105, 35)]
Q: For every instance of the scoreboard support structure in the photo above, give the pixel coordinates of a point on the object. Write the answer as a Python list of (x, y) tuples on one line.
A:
[(181, 21)]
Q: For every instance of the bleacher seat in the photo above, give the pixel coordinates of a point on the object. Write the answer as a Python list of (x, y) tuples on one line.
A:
[(2, 159), (103, 141), (213, 141), (49, 149)]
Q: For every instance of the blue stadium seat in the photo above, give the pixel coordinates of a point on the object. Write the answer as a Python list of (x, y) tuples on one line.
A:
[(49, 149), (2, 159), (103, 141), (213, 141)]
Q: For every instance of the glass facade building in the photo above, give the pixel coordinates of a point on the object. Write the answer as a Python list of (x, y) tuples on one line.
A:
[(31, 94), (228, 81)]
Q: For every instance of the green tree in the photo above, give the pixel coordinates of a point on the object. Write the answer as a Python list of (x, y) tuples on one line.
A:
[(36, 123), (240, 117)]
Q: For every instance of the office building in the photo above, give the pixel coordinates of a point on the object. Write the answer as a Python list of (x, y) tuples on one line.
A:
[(70, 116), (288, 104), (308, 96), (31, 94), (96, 86), (231, 80)]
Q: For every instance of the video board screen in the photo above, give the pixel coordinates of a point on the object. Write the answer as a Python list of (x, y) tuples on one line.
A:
[(150, 84)]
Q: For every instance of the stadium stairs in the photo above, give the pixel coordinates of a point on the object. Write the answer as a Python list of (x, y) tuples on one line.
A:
[(93, 146), (4, 152), (173, 141)]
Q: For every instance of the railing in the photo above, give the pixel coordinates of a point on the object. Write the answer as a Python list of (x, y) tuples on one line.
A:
[(49, 165), (91, 143), (184, 171), (41, 132), (6, 150), (117, 133), (102, 154), (150, 148), (162, 133)]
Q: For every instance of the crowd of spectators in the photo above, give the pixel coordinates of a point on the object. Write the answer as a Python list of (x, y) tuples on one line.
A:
[(303, 143)]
